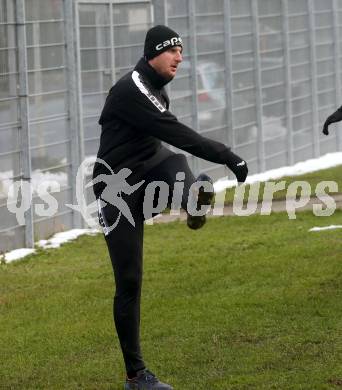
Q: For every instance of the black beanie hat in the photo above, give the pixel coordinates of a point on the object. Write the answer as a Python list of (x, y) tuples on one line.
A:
[(159, 39)]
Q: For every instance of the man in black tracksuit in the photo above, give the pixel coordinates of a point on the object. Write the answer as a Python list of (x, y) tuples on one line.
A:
[(135, 120)]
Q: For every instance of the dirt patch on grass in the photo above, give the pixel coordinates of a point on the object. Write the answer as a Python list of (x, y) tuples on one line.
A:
[(335, 382)]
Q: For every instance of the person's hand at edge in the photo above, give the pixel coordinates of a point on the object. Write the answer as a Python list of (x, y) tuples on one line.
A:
[(238, 166), (335, 117)]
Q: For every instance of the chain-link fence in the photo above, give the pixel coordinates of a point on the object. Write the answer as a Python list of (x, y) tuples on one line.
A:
[(258, 75)]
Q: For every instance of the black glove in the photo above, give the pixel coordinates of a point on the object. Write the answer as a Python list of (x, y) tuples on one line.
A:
[(335, 117), (237, 166)]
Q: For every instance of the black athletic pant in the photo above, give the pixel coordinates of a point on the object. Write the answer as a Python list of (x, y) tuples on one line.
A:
[(125, 245)]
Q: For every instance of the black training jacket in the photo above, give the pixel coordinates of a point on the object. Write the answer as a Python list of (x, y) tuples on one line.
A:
[(135, 120)]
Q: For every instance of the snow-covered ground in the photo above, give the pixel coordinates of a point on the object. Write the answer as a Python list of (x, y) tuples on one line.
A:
[(54, 242), (312, 165), (60, 238), (17, 254), (331, 227), (327, 161)]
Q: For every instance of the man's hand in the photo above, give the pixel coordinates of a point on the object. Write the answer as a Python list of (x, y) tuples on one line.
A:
[(238, 167), (335, 117)]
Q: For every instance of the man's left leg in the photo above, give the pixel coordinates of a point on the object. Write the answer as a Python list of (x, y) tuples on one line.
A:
[(125, 246), (185, 190)]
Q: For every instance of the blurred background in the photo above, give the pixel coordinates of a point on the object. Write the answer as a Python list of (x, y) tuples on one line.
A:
[(258, 75)]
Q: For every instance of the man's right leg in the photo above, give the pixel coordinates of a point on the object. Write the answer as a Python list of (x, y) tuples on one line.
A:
[(125, 245)]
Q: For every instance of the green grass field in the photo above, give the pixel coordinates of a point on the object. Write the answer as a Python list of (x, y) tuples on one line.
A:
[(244, 303)]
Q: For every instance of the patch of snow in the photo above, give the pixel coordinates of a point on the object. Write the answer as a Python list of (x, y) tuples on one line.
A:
[(16, 254), (331, 227), (327, 161), (54, 242), (60, 238)]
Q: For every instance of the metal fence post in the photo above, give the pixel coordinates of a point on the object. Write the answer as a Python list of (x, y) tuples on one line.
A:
[(229, 75), (285, 12), (261, 146), (78, 73), (193, 70), (337, 52), (159, 11), (315, 119), (160, 16), (79, 81), (24, 119), (112, 42), (72, 102), (12, 65)]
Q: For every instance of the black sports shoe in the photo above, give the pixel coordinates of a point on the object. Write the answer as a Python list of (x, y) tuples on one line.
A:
[(146, 380), (204, 198)]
